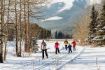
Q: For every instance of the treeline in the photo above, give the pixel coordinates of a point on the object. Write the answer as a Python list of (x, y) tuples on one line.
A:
[(61, 35), (91, 29), (35, 32), (45, 34)]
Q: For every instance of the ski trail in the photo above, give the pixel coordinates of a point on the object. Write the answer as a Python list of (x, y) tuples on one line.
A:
[(90, 59), (54, 61), (73, 58), (59, 62)]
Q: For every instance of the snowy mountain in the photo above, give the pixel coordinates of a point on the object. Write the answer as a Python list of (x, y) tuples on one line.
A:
[(62, 14)]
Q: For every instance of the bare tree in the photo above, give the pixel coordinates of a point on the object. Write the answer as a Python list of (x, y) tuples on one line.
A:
[(28, 10), (20, 28), (5, 32), (81, 29), (1, 29), (18, 12)]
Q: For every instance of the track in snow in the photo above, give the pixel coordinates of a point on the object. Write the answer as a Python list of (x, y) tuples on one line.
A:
[(58, 62), (54, 61)]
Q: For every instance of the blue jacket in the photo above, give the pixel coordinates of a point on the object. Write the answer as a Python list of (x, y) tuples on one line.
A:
[(69, 46)]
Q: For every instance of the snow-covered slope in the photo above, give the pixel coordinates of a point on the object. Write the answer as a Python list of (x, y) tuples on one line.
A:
[(60, 13)]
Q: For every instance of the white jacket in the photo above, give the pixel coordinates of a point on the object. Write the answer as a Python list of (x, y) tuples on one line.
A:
[(43, 45)]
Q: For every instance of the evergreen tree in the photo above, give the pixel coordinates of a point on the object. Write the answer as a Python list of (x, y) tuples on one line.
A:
[(100, 37), (93, 24), (56, 35), (49, 33), (60, 35)]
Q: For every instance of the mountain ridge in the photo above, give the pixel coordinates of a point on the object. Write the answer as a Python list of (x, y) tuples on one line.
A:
[(68, 16)]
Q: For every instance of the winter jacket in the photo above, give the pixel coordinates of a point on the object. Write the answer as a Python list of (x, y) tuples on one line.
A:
[(43, 45), (74, 43), (69, 46), (56, 45)]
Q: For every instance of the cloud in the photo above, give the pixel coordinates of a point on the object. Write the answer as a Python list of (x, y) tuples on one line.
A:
[(68, 4), (53, 18), (95, 1)]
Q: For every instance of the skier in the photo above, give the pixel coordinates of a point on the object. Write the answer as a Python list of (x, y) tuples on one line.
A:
[(57, 48), (66, 43), (44, 49), (69, 48), (74, 45)]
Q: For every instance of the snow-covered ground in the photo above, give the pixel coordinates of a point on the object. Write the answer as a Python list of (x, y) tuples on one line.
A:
[(90, 59), (82, 58)]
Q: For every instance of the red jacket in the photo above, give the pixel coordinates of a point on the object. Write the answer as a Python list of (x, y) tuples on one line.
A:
[(74, 43), (56, 45)]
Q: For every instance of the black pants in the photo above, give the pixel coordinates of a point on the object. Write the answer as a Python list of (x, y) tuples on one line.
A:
[(57, 51), (70, 50), (44, 51), (66, 47), (74, 49)]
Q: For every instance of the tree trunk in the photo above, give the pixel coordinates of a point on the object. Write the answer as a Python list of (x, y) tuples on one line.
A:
[(29, 31), (5, 39), (20, 30), (1, 31), (27, 27), (17, 49)]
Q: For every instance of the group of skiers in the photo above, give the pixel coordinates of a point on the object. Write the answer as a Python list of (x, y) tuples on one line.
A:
[(68, 47)]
